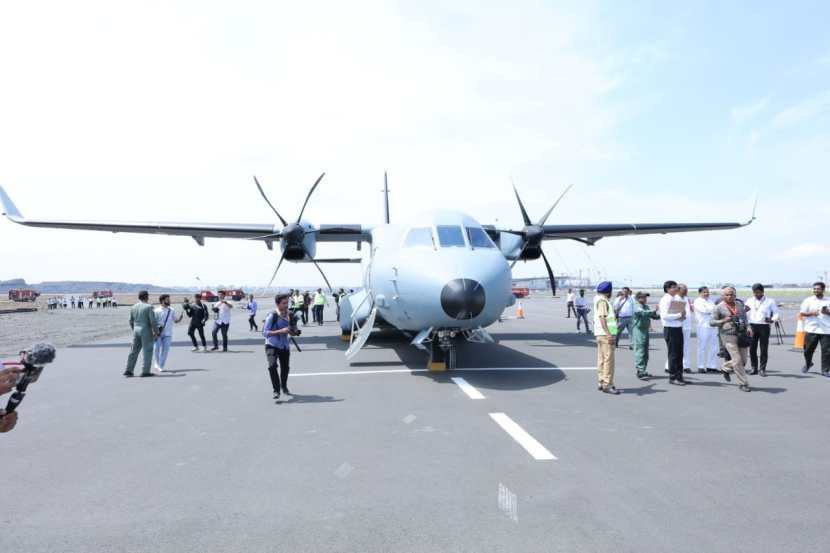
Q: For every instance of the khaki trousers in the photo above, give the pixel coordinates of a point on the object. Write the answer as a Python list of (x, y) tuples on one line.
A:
[(605, 361), (738, 362)]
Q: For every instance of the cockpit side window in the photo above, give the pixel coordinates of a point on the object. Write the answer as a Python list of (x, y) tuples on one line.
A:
[(450, 237), (479, 238), (420, 236)]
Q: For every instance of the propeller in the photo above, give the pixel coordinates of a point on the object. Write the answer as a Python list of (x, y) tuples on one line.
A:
[(533, 234), (292, 234)]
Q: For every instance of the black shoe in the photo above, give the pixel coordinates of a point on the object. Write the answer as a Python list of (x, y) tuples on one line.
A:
[(753, 371), (744, 388), (666, 371), (224, 350), (214, 348), (806, 368), (726, 376), (147, 375), (286, 392), (128, 374), (611, 390), (642, 376), (276, 394), (763, 372), (687, 371)]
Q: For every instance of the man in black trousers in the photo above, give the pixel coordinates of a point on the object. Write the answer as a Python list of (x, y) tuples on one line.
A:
[(672, 314), (277, 330)]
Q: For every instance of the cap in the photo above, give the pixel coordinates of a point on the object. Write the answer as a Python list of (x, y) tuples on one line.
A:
[(642, 295), (604, 287)]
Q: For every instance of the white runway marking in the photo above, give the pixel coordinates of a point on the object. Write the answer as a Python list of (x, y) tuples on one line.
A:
[(536, 450), (412, 371), (467, 388)]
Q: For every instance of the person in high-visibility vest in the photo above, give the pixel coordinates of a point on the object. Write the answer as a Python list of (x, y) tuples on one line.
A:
[(319, 305), (605, 331)]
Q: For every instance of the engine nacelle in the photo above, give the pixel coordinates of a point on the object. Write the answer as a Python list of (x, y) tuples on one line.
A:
[(299, 241)]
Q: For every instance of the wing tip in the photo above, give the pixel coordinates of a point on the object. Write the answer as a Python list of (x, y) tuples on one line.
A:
[(9, 209)]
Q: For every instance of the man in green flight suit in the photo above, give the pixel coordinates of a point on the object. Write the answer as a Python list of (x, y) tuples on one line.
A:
[(143, 323), (640, 325)]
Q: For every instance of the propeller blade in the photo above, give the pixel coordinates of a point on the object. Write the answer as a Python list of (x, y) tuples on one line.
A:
[(545, 218), (266, 236), (550, 274), (522, 207), (310, 192), (264, 197), (282, 257), (331, 291)]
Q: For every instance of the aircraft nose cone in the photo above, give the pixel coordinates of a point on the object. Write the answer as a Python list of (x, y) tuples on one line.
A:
[(463, 298)]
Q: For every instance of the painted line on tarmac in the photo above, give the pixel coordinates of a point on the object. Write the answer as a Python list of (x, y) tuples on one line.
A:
[(472, 369), (468, 389), (536, 450)]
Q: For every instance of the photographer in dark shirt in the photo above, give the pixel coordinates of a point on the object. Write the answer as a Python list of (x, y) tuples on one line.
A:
[(279, 326), (198, 313)]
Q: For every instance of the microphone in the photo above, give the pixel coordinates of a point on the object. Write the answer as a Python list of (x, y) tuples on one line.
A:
[(33, 361)]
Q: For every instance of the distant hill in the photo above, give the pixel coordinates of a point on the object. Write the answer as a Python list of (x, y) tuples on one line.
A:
[(81, 286)]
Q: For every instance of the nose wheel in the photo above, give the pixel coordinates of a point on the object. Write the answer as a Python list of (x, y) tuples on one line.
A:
[(442, 352)]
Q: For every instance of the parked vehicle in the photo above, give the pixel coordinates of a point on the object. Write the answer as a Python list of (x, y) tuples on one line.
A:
[(234, 294), (521, 292), (23, 294)]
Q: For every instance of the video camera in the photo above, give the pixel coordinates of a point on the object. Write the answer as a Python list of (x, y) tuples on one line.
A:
[(292, 324), (33, 361)]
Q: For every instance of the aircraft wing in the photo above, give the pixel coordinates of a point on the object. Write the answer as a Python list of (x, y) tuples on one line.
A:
[(589, 234), (198, 231)]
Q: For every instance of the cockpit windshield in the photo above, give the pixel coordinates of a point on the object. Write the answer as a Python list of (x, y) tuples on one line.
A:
[(450, 236), (420, 236), (479, 238)]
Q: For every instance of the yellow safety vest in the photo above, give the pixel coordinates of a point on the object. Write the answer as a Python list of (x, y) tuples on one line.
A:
[(610, 320)]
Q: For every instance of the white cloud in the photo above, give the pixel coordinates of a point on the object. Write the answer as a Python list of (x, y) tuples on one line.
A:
[(742, 114), (808, 249), (802, 111)]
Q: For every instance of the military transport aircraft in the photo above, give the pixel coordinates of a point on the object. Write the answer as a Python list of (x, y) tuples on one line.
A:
[(439, 278)]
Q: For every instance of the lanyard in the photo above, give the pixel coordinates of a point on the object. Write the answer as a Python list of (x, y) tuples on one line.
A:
[(734, 310)]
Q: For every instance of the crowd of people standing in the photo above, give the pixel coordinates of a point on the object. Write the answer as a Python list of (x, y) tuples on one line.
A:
[(736, 330), (80, 302)]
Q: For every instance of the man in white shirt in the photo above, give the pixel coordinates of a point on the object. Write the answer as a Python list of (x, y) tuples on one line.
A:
[(570, 298), (762, 312), (582, 311), (624, 309), (815, 313), (673, 332), (707, 336), (165, 319), (222, 322)]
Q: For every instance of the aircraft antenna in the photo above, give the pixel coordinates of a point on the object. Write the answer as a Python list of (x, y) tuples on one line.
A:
[(385, 198)]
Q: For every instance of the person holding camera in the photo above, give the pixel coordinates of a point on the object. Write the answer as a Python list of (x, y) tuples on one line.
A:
[(8, 380), (730, 316), (222, 313), (143, 324), (815, 312), (279, 325), (252, 308), (198, 313)]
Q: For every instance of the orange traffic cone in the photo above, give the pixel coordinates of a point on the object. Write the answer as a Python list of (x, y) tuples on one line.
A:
[(798, 341), (520, 311)]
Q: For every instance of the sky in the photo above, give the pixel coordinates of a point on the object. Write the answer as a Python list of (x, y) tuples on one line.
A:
[(163, 111)]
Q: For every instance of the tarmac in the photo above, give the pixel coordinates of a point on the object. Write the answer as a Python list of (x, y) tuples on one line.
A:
[(382, 456)]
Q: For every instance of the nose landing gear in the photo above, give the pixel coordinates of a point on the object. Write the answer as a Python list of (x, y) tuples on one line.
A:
[(442, 352)]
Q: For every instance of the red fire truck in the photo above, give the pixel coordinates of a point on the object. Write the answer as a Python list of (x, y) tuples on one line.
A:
[(209, 296), (23, 294), (234, 294)]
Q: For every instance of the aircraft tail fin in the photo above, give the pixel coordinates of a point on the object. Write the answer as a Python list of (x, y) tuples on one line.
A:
[(9, 209), (385, 199)]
